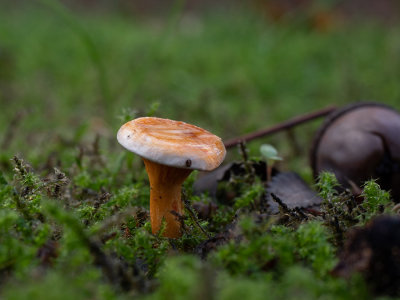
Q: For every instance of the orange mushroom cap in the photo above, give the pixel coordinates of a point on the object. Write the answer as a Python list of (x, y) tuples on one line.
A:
[(172, 143)]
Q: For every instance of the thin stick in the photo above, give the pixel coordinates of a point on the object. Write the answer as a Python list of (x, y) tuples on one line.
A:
[(279, 127), (194, 218)]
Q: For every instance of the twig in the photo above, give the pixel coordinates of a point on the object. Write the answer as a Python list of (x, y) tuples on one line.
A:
[(300, 213), (279, 127), (284, 207), (295, 145), (243, 151), (194, 218)]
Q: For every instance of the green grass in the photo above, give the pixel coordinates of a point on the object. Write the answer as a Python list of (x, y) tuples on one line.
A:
[(230, 74), (67, 77)]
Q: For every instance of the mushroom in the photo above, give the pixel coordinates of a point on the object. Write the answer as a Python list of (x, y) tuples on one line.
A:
[(359, 142), (170, 151)]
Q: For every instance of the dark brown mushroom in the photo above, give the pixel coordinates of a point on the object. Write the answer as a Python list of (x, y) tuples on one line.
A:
[(373, 251), (358, 143)]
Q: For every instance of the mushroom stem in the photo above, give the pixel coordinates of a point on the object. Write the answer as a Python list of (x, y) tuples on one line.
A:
[(165, 196)]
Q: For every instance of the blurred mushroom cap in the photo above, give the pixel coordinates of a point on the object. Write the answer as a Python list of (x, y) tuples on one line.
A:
[(172, 143), (358, 143)]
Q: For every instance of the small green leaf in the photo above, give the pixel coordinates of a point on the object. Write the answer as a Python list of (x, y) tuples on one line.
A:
[(269, 152)]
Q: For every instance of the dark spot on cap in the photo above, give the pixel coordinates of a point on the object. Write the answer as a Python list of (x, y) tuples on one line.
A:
[(188, 163), (128, 136)]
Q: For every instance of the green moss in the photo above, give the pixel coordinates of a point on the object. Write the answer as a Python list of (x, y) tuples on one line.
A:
[(74, 221)]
